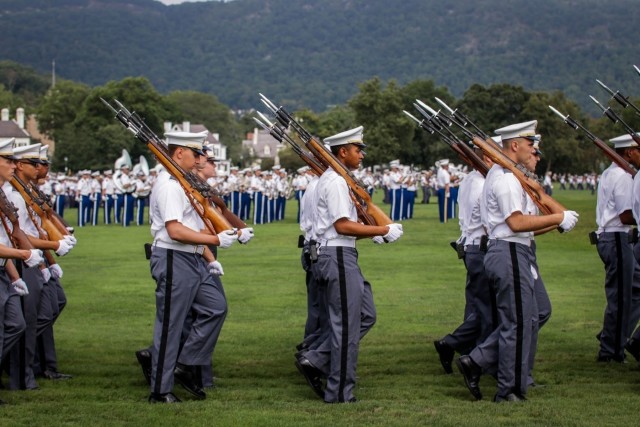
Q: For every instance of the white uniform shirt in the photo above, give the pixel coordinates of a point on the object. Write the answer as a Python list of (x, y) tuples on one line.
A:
[(443, 178), (469, 202), (332, 202), (168, 203), (307, 209), (84, 187), (503, 195), (108, 187), (24, 220), (614, 197), (636, 198), (395, 180)]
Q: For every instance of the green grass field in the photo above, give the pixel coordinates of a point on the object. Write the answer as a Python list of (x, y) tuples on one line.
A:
[(418, 285)]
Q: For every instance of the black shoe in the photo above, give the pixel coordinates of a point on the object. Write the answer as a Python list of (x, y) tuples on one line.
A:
[(471, 373), (511, 397), (303, 346), (633, 348), (182, 375), (163, 398), (55, 375), (311, 374), (446, 353), (144, 359), (352, 400), (608, 359)]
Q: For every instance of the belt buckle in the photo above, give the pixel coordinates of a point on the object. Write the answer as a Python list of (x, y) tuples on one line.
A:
[(199, 249)]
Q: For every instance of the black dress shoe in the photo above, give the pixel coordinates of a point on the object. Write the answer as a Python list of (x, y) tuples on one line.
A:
[(608, 359), (446, 353), (302, 346), (311, 374), (633, 348), (182, 375), (163, 398), (144, 359), (55, 375), (471, 373), (511, 397)]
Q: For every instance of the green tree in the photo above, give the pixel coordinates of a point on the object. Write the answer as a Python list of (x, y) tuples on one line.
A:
[(59, 106), (386, 130)]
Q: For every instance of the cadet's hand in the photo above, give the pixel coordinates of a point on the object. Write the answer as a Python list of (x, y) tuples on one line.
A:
[(245, 235), (71, 239), (569, 220), (56, 271), (378, 240), (20, 287), (395, 232), (215, 268), (227, 238), (64, 247), (35, 258), (46, 274)]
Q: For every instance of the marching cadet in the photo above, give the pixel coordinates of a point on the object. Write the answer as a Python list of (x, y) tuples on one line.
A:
[(180, 264), (108, 195), (83, 196), (508, 268), (234, 191), (613, 240), (395, 190), (300, 183), (246, 194), (443, 182), (479, 299), (140, 194), (60, 190), (633, 344), (349, 301), (46, 358), (257, 187), (12, 287), (37, 307), (96, 196)]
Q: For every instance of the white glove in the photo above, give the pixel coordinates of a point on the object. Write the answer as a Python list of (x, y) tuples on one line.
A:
[(215, 268), (227, 238), (70, 229), (534, 273), (56, 271), (378, 240), (569, 220), (395, 232), (246, 235), (35, 258), (20, 287), (46, 274), (71, 239), (64, 247)]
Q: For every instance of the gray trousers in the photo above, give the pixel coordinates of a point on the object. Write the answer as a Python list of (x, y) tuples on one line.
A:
[(38, 316), (616, 253), (479, 312), (46, 358), (543, 305), (635, 294), (507, 266), (312, 325), (184, 287), (12, 324), (351, 314)]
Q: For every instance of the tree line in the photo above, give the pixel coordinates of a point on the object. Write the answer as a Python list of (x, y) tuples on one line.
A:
[(88, 136)]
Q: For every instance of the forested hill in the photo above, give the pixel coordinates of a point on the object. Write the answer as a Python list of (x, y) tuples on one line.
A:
[(314, 52)]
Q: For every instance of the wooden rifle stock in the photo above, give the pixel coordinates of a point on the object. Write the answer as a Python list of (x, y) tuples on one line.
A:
[(545, 203), (614, 156), (9, 212), (54, 231)]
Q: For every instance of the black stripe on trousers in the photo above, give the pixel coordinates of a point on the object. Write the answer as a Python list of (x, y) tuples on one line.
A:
[(519, 321), (165, 321), (344, 306), (620, 311)]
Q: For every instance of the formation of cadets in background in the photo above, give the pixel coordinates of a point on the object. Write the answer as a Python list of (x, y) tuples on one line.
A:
[(506, 300)]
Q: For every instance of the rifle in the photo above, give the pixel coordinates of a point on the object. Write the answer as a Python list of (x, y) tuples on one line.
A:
[(43, 200), (197, 191), (372, 214), (10, 213), (527, 179), (608, 151), (614, 117), (54, 229)]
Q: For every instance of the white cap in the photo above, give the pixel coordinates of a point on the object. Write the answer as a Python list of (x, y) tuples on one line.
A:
[(96, 173), (44, 155), (187, 139), (233, 168), (302, 169), (394, 163), (351, 136), (28, 152), (443, 162), (108, 172), (6, 148), (518, 130), (255, 168), (624, 141)]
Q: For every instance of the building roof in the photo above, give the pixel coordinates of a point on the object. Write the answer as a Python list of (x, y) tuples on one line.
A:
[(10, 129)]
